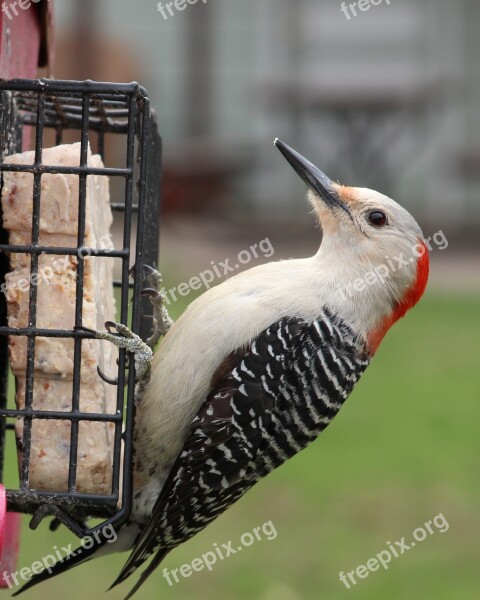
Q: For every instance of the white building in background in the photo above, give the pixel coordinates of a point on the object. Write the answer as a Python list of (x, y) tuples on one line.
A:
[(227, 77)]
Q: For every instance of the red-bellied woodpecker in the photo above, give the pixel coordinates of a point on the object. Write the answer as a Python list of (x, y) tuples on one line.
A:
[(258, 366)]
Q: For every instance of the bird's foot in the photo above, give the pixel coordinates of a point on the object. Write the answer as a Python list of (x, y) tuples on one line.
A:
[(124, 338), (161, 319)]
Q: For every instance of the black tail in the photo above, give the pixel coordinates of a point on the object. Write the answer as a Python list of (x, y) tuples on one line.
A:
[(76, 557), (159, 556)]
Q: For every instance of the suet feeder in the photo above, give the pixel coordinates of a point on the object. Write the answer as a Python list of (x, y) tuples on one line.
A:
[(93, 113)]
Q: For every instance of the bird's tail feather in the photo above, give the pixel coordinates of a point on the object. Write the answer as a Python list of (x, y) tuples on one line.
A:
[(159, 556)]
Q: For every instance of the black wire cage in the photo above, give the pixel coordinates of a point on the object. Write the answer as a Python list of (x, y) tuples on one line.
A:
[(103, 115)]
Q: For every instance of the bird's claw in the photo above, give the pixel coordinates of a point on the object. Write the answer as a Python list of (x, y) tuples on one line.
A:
[(161, 319), (124, 338), (105, 378), (109, 325), (149, 293)]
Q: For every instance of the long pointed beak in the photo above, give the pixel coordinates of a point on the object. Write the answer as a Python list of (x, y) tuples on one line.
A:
[(312, 176)]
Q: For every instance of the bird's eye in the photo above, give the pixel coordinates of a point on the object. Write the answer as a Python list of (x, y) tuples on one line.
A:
[(377, 218)]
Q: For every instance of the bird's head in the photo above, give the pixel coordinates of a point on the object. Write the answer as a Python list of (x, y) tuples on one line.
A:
[(372, 250)]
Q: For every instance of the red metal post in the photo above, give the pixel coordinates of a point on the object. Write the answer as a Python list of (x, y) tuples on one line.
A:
[(25, 45)]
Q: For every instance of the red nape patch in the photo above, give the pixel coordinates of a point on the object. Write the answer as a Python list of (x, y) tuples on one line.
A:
[(411, 297)]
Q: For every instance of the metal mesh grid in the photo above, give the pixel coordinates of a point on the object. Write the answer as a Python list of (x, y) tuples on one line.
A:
[(121, 109)]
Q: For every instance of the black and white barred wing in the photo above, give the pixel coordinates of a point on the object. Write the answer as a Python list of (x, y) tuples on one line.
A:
[(267, 402)]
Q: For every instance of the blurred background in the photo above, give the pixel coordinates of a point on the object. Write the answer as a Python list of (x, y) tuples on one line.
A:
[(386, 99)]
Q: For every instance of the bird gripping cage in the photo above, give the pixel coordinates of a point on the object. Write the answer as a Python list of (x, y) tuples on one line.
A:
[(96, 111)]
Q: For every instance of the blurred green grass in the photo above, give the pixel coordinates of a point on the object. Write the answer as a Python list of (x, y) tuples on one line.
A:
[(403, 449)]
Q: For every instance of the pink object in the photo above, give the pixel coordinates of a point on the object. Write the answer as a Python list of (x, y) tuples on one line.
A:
[(3, 516), (25, 44), (10, 524), (26, 34), (25, 39)]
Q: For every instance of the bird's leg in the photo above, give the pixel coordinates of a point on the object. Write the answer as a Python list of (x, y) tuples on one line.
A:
[(124, 338), (161, 319)]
